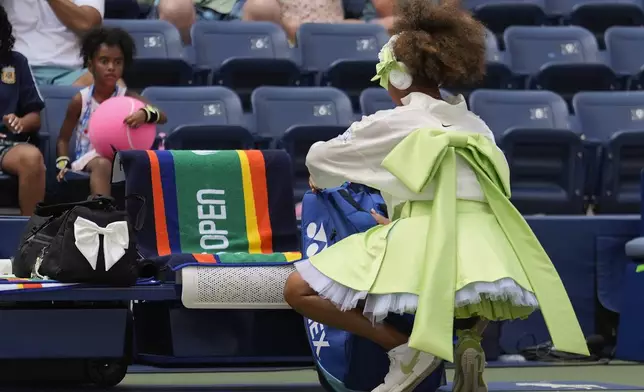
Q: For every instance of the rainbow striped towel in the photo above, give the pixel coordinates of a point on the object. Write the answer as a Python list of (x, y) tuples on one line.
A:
[(18, 284), (11, 284), (210, 207)]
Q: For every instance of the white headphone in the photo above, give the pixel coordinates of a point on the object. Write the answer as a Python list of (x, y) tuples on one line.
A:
[(399, 77)]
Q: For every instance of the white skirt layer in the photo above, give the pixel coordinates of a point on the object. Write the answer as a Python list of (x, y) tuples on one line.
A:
[(378, 306), (79, 164)]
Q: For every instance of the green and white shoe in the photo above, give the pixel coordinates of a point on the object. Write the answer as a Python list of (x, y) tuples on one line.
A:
[(469, 363)]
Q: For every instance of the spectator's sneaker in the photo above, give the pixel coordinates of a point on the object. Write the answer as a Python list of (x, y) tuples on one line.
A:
[(408, 368), (469, 363)]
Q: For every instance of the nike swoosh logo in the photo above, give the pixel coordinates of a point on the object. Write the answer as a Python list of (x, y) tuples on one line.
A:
[(409, 367), (446, 126)]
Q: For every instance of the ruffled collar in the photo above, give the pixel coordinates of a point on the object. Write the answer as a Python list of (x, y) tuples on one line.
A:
[(429, 103)]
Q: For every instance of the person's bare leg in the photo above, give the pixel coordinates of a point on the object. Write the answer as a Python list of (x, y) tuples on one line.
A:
[(304, 300), (100, 176), (181, 13), (261, 11), (26, 162)]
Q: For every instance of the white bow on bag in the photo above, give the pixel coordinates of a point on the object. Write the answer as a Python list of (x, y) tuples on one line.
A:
[(116, 240)]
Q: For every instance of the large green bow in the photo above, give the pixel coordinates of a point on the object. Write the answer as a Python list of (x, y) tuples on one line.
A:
[(385, 66), (430, 155), (416, 160)]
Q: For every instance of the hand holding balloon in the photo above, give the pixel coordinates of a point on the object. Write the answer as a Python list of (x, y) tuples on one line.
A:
[(135, 119)]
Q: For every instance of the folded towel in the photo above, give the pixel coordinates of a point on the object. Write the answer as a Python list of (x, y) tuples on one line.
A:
[(202, 205), (179, 261)]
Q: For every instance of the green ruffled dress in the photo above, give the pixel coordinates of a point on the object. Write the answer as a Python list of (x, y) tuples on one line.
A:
[(435, 252)]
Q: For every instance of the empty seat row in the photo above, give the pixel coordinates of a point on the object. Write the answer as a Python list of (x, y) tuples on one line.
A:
[(244, 56), (594, 15), (559, 162)]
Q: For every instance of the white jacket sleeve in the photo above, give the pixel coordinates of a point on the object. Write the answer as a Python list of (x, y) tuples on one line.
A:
[(355, 155)]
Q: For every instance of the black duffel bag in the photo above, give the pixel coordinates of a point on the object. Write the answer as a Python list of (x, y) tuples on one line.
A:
[(84, 242)]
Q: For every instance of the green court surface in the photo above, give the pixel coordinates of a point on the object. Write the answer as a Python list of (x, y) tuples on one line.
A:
[(625, 374)]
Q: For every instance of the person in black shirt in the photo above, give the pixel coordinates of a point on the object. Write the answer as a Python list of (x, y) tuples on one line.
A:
[(20, 106)]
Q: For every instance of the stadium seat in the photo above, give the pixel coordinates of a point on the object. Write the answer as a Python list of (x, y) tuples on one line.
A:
[(159, 59), (625, 47), (12, 229), (497, 15), (209, 137), (374, 99), (57, 100), (597, 15), (616, 121), (561, 59), (544, 154), (204, 105), (296, 117), (244, 55), (341, 55)]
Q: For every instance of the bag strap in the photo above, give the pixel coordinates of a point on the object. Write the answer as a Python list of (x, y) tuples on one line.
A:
[(139, 220), (93, 202)]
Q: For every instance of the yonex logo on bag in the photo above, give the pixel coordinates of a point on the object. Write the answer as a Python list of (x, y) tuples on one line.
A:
[(318, 336), (317, 237)]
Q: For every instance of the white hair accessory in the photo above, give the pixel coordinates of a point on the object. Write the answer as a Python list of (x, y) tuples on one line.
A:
[(390, 70)]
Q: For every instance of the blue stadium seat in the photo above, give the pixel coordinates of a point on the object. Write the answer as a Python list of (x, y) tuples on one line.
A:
[(9, 194), (544, 154), (597, 15), (341, 55), (12, 228), (616, 121), (374, 99), (296, 117), (244, 55), (159, 59), (561, 59), (625, 47), (210, 137), (497, 15), (57, 100), (205, 105)]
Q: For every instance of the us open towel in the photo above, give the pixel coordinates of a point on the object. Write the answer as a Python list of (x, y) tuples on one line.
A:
[(211, 207)]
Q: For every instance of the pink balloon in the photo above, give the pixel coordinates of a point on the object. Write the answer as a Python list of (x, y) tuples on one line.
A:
[(106, 128)]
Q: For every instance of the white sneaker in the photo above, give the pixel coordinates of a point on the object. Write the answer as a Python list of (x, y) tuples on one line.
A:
[(408, 368)]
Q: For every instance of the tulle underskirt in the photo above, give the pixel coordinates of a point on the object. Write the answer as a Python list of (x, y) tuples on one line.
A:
[(503, 299)]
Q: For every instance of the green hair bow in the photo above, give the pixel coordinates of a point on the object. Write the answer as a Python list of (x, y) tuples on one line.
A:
[(386, 65)]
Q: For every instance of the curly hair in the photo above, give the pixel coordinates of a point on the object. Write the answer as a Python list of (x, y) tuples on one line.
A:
[(441, 44), (7, 40), (110, 36)]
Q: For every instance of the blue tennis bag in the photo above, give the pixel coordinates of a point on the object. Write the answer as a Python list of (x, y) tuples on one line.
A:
[(345, 362)]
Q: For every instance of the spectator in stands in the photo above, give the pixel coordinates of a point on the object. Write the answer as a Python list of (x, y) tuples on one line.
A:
[(106, 52), (20, 106), (379, 11), (47, 33), (290, 14), (184, 13)]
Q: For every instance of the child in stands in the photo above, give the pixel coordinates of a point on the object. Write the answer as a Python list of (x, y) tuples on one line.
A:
[(107, 52), (20, 106), (455, 247)]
